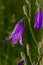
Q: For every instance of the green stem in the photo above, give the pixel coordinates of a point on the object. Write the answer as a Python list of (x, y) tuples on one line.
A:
[(32, 33), (30, 60), (30, 24), (38, 59)]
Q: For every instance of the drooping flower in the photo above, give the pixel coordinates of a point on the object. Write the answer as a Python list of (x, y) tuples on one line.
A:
[(38, 19), (17, 33), (21, 62)]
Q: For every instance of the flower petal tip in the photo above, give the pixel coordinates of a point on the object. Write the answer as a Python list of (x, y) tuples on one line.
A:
[(21, 44), (7, 38)]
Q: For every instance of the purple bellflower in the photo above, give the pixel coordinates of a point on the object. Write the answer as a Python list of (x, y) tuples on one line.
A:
[(38, 19), (17, 33), (21, 62)]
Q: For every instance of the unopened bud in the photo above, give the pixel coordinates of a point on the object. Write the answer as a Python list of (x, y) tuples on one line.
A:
[(24, 58), (37, 2), (25, 10), (27, 46), (22, 55), (39, 47), (28, 49), (42, 41)]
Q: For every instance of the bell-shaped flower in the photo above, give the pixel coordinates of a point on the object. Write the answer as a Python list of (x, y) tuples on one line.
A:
[(38, 19), (21, 62), (17, 33)]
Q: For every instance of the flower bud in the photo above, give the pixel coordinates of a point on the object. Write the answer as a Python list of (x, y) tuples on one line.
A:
[(28, 49), (39, 47), (23, 55), (38, 19), (25, 10)]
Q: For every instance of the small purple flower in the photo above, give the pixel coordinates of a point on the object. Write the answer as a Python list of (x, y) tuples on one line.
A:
[(17, 33), (21, 62), (38, 19)]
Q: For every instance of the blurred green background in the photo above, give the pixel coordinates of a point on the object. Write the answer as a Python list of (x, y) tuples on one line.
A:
[(11, 11)]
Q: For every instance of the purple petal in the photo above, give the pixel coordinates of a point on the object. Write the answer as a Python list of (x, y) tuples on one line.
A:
[(20, 39), (20, 62), (15, 28), (15, 39), (38, 20), (9, 37), (20, 27)]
